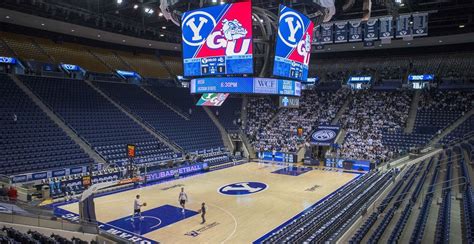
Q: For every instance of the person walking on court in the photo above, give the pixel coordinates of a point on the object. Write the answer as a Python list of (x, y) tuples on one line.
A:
[(183, 198), (202, 211), (137, 205)]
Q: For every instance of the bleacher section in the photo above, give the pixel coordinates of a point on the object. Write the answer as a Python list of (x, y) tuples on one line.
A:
[(229, 113), (145, 64), (436, 111), (110, 58), (107, 129), (29, 140), (327, 219), (24, 46), (71, 53), (413, 216), (192, 135), (371, 118), (174, 64), (463, 130), (316, 107)]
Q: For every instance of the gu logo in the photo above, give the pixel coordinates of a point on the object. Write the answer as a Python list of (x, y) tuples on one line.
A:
[(231, 32), (304, 48)]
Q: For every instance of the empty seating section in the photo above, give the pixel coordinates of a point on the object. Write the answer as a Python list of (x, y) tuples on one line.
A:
[(24, 46), (146, 65), (160, 82), (5, 50), (412, 211), (229, 113), (29, 140), (457, 68), (215, 159), (174, 64), (107, 129), (71, 53), (199, 132), (464, 129), (110, 58), (439, 109), (195, 134), (327, 219)]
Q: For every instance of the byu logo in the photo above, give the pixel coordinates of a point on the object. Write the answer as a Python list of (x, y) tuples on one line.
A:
[(242, 188), (324, 135), (291, 28), (196, 27)]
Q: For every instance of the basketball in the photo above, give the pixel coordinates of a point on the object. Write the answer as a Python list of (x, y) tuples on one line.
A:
[(144, 204)]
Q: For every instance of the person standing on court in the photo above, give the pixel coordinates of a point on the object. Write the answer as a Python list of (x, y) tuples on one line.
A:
[(183, 198), (202, 211), (137, 205)]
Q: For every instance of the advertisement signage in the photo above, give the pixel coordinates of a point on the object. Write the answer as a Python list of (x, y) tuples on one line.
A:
[(212, 99), (170, 173), (246, 85), (289, 102)]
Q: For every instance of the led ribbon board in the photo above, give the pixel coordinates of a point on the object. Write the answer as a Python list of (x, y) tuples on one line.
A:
[(293, 45), (246, 85), (218, 40)]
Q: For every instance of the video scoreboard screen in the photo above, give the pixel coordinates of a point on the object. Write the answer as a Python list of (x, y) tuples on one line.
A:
[(218, 40), (293, 44)]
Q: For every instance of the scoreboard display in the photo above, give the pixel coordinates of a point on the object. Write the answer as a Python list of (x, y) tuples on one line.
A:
[(293, 44), (218, 40)]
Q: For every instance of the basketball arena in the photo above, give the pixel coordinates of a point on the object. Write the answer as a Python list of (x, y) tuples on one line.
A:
[(236, 121)]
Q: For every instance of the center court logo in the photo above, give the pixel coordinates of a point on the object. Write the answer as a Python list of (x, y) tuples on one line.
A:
[(324, 135), (242, 188)]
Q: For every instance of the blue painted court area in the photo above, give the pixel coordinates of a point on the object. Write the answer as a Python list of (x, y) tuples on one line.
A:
[(153, 219), (292, 170)]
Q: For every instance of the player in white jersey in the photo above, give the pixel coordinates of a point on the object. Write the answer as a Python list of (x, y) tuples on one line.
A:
[(137, 206), (183, 198)]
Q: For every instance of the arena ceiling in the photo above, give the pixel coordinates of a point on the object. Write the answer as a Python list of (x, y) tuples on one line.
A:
[(144, 19)]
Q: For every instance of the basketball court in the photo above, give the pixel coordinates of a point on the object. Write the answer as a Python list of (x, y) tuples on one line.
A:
[(243, 202)]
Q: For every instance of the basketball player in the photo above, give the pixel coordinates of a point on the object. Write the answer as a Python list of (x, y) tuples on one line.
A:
[(202, 211), (137, 205), (183, 198)]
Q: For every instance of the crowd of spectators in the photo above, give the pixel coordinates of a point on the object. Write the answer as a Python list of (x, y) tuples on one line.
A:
[(436, 100), (316, 107), (368, 116), (260, 110)]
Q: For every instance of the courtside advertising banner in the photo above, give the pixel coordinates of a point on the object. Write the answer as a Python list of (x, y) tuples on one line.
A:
[(218, 40), (293, 44)]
